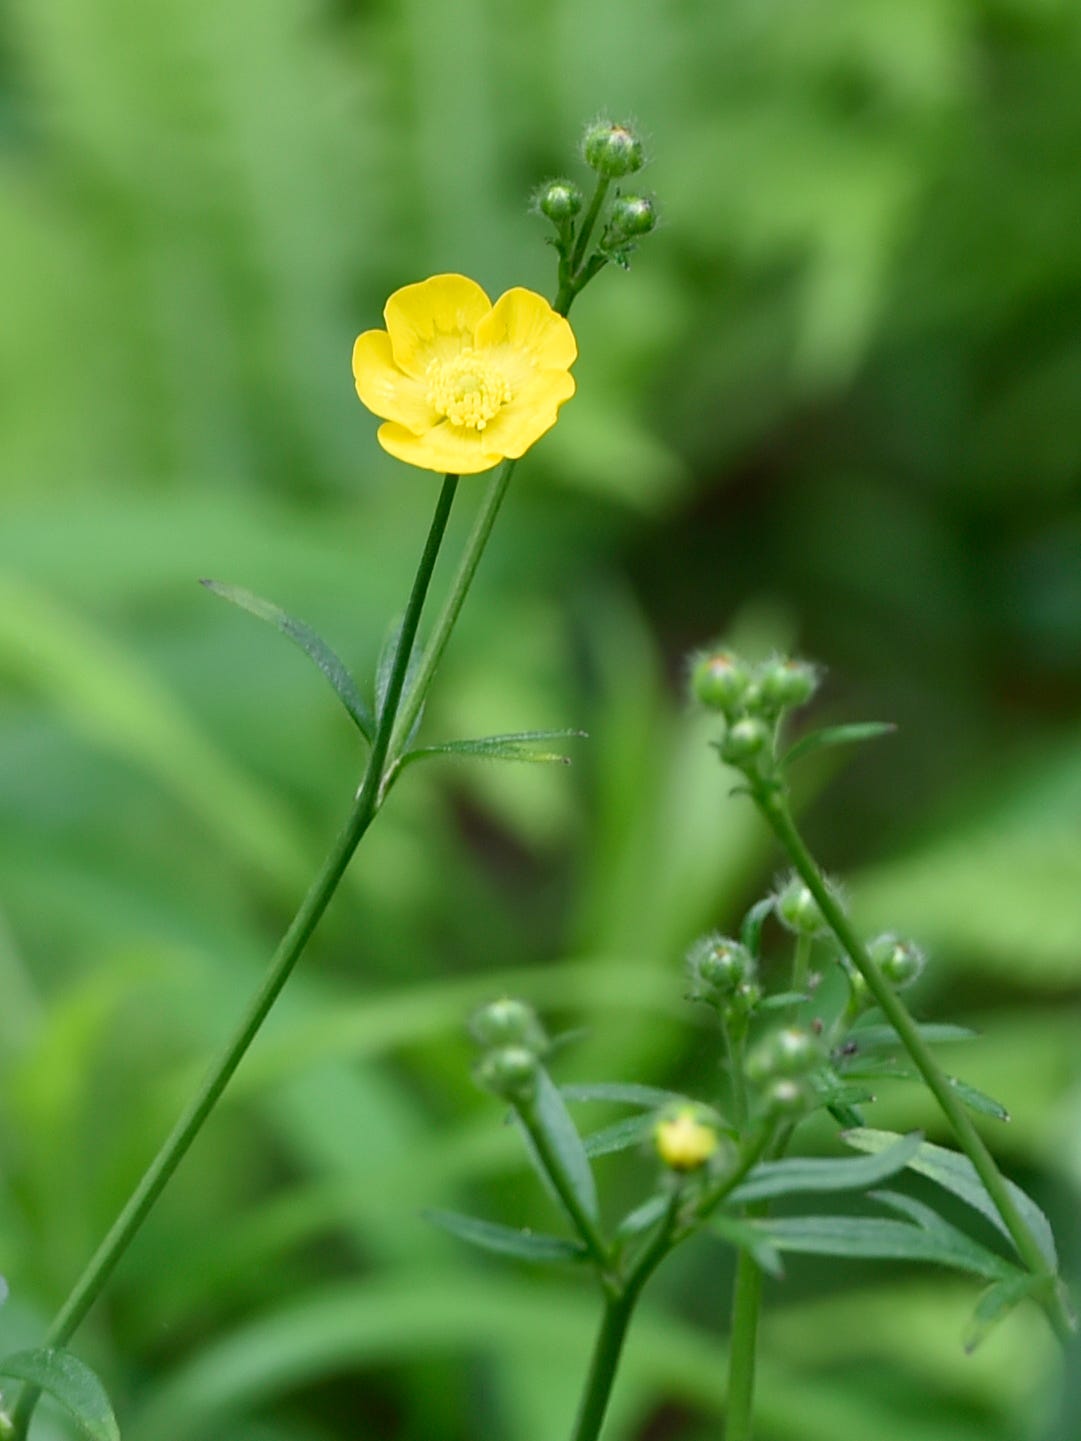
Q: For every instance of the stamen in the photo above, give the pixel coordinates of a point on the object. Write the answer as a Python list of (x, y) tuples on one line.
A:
[(468, 390)]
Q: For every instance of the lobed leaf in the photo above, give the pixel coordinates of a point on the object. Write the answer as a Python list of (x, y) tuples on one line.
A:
[(507, 1240), (313, 646), (70, 1382), (955, 1173)]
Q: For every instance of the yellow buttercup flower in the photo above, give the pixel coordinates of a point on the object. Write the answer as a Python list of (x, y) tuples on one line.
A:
[(684, 1141), (460, 383)]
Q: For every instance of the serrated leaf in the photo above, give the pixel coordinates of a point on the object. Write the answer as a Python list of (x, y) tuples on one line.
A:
[(810, 1174), (554, 1120), (620, 1136), (744, 1234), (506, 1240), (516, 746), (874, 1238), (645, 1098), (842, 735), (70, 1382), (313, 646), (955, 1173), (995, 1304), (750, 932)]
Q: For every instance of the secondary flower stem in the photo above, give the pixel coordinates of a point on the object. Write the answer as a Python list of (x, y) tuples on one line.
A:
[(157, 1176), (771, 802), (589, 221), (743, 1349)]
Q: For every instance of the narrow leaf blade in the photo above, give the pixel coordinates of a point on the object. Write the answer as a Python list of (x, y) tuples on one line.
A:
[(620, 1136), (515, 746), (70, 1382), (313, 646), (955, 1173), (843, 735), (566, 1144), (801, 1175), (874, 1238), (644, 1098), (994, 1305), (525, 1245), (745, 1235)]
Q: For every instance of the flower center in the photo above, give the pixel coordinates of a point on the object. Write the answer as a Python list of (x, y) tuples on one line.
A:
[(468, 390)]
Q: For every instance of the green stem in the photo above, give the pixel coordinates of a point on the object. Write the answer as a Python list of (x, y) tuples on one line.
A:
[(584, 1223), (743, 1349), (585, 230), (773, 806), (104, 1260)]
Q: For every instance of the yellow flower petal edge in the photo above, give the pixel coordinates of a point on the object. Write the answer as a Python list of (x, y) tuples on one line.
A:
[(461, 383)]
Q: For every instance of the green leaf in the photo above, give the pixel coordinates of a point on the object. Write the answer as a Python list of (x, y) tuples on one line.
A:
[(385, 667), (783, 1000), (995, 1304), (891, 1068), (842, 735), (875, 1238), (311, 644), (554, 1120), (929, 1220), (750, 932), (620, 1136), (515, 746), (645, 1098), (955, 1173), (68, 1380), (745, 1235), (506, 1240), (786, 1178), (867, 1039), (979, 1101), (643, 1216)]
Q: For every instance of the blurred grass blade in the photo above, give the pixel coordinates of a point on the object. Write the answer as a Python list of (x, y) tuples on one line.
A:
[(516, 746), (956, 1174), (843, 735), (313, 646), (562, 1136), (70, 1382), (788, 1178), (645, 1098), (506, 1240)]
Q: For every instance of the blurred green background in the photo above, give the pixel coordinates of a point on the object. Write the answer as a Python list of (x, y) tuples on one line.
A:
[(835, 405)]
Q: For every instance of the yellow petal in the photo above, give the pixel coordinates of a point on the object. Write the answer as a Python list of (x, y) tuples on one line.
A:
[(523, 323), (534, 410), (450, 449), (387, 391), (433, 319)]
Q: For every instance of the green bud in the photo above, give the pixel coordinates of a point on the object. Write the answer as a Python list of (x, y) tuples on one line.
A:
[(790, 1052), (612, 150), (508, 1022), (559, 200), (798, 910), (786, 1099), (718, 967), (744, 739), (901, 962), (720, 680), (787, 683), (510, 1073), (631, 217)]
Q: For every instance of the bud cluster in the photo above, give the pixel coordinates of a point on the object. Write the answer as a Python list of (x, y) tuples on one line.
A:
[(751, 698), (901, 962), (781, 1066), (513, 1043)]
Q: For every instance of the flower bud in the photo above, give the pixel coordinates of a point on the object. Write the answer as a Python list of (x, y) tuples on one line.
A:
[(744, 740), (718, 967), (684, 1140), (786, 683), (798, 910), (720, 680), (790, 1052), (559, 200), (612, 150), (631, 217), (901, 962), (508, 1022), (786, 1099), (510, 1073)]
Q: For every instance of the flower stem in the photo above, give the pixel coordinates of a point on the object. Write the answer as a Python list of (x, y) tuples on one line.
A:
[(586, 1226), (773, 805), (154, 1180), (743, 1349)]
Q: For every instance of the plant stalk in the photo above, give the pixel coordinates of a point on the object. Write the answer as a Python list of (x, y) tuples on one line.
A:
[(772, 804), (743, 1349), (154, 1180)]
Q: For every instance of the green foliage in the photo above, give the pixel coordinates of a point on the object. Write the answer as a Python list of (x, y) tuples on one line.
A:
[(70, 1382)]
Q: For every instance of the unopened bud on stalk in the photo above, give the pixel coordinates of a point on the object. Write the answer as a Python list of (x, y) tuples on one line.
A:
[(744, 740), (901, 962), (791, 1052), (717, 967), (631, 217), (786, 1098), (559, 200), (510, 1073), (720, 680), (612, 150), (787, 683), (508, 1022), (798, 910), (685, 1141)]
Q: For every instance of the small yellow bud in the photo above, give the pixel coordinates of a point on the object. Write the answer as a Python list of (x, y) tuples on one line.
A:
[(684, 1141)]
